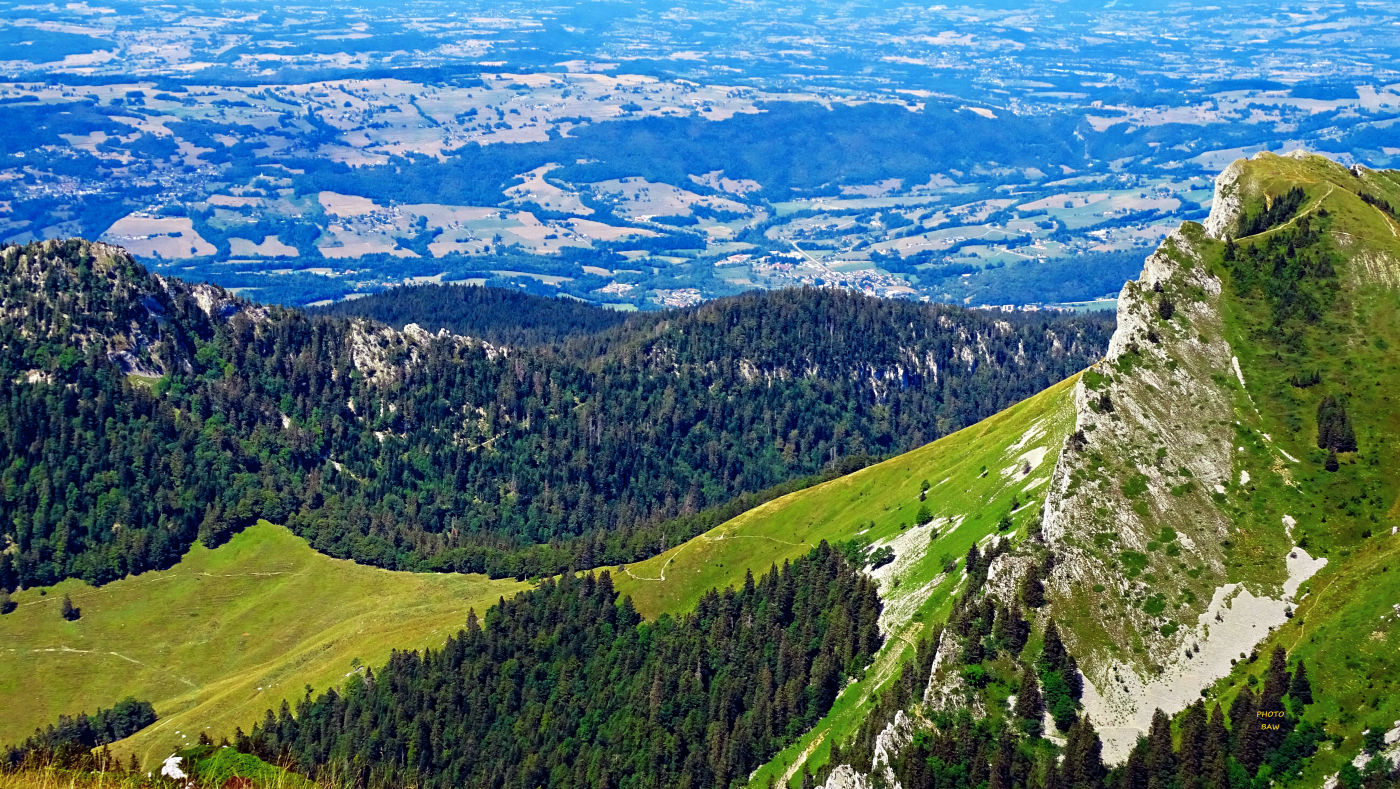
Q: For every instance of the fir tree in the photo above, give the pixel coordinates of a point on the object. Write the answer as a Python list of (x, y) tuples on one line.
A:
[(1373, 740), (1001, 777), (1053, 654), (1083, 766), (1030, 706), (1032, 589), (68, 611), (1271, 701), (1134, 774), (1217, 750), (1019, 631), (1334, 429), (1161, 760), (6, 604), (1194, 731), (1245, 732), (1299, 688), (1275, 681)]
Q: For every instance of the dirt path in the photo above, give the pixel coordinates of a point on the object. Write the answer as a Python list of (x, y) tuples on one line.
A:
[(634, 576), (723, 537), (143, 580), (801, 760), (716, 538), (1311, 209), (132, 660)]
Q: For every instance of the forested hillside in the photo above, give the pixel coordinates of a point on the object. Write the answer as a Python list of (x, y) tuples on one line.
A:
[(143, 413), (564, 686), (497, 315)]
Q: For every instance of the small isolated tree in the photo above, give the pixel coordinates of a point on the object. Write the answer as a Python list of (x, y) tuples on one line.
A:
[(1105, 403), (69, 611), (6, 604), (1373, 740), (1166, 308), (1299, 688), (1334, 429)]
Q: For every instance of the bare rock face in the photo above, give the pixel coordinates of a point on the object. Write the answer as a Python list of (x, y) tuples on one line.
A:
[(1145, 502), (1149, 445), (846, 777), (1228, 203)]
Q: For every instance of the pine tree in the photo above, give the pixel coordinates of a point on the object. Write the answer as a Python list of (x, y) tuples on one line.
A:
[(1217, 750), (1275, 681), (1083, 766), (973, 565), (1194, 731), (1161, 760), (1001, 627), (1053, 654), (1134, 774), (1271, 701), (1373, 740), (1030, 706), (1334, 429), (1299, 688), (1001, 777), (1245, 731), (1020, 631), (1032, 589)]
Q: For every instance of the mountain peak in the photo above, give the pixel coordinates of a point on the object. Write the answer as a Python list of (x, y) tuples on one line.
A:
[(1174, 503)]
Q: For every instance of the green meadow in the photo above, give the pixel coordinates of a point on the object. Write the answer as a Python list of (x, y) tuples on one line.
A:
[(221, 637)]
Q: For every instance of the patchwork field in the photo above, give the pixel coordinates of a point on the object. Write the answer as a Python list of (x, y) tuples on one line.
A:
[(221, 637)]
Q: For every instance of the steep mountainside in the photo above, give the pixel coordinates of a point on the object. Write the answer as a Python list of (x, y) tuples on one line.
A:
[(143, 412), (1228, 487), (1200, 485)]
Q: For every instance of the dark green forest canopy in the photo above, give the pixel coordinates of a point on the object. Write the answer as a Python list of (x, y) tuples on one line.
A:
[(71, 740), (142, 413), (564, 687), (497, 315)]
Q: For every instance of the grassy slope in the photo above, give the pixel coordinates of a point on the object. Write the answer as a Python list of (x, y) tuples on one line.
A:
[(221, 637), (1346, 628), (886, 494)]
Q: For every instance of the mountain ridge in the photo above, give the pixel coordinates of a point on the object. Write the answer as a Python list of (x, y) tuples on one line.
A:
[(1178, 535)]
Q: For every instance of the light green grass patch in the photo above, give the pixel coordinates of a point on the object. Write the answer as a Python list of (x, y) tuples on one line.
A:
[(221, 637)]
